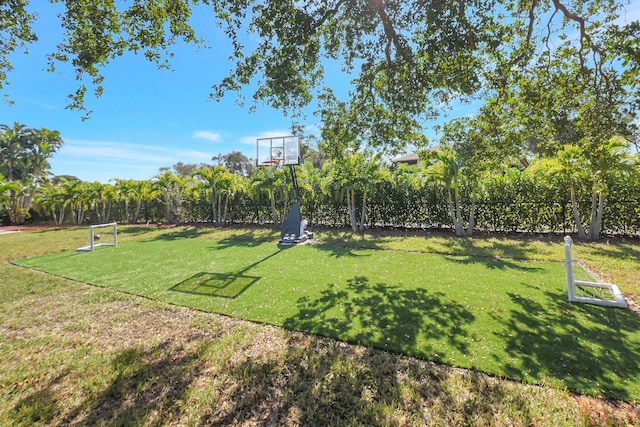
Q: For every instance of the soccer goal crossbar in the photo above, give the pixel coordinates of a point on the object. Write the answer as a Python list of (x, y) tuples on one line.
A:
[(93, 237), (598, 293)]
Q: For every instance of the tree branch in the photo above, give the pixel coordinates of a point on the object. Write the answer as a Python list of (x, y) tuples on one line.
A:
[(584, 35), (389, 30), (328, 14)]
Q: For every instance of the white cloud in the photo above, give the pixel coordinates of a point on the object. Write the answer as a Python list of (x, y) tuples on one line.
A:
[(208, 135), (130, 152), (91, 160)]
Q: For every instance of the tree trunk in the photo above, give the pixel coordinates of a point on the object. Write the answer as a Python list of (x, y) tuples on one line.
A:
[(226, 209), (596, 224), (79, 215), (61, 215), (472, 218), (351, 195), (103, 212), (274, 211), (137, 212), (451, 208), (213, 207), (127, 213), (458, 214), (363, 214), (576, 215)]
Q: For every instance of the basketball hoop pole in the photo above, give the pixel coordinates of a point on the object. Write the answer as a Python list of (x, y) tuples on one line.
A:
[(294, 181)]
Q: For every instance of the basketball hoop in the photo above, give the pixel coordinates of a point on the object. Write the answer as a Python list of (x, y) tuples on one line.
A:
[(271, 166)]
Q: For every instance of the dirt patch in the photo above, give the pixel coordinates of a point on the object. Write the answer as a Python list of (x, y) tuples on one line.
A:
[(16, 228)]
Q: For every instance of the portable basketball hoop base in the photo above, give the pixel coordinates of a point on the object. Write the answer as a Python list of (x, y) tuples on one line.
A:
[(294, 228), (616, 300)]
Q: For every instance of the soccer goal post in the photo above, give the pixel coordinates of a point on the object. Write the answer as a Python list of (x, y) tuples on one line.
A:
[(105, 239), (597, 293)]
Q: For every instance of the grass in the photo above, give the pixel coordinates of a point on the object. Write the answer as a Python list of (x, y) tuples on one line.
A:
[(75, 354), (504, 316)]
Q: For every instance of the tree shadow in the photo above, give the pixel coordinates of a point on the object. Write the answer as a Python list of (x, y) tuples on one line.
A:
[(616, 251), (500, 248), (590, 349), (341, 246), (384, 316), (40, 406), (248, 239), (146, 381), (492, 262), (328, 383)]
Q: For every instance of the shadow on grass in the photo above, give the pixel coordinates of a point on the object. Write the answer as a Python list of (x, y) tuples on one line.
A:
[(617, 251), (227, 284), (504, 247), (313, 381), (590, 349), (492, 262), (181, 233), (248, 239), (345, 245), (385, 316), (40, 405), (328, 383), (217, 285), (146, 381)]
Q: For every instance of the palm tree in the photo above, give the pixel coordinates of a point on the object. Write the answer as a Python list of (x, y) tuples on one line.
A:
[(232, 184), (271, 183), (594, 168), (443, 168), (44, 143), (171, 191), (50, 200), (136, 193), (13, 141), (8, 192), (211, 181), (355, 175), (100, 198), (24, 155), (607, 162), (76, 198), (310, 181), (570, 164)]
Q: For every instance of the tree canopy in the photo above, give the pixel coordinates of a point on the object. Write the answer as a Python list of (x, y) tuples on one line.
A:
[(409, 58)]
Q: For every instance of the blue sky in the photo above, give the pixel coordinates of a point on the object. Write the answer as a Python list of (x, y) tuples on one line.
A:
[(146, 118)]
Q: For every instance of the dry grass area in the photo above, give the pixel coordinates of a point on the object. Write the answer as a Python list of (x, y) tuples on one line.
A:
[(91, 356)]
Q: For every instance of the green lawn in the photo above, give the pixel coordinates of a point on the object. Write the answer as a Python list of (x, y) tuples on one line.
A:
[(495, 307)]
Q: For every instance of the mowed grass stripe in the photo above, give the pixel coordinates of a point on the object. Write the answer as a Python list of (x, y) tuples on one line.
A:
[(498, 315)]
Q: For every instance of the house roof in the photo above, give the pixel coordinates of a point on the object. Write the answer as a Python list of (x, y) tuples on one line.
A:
[(411, 159)]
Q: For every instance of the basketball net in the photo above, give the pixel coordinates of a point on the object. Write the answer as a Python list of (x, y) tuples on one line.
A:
[(271, 166)]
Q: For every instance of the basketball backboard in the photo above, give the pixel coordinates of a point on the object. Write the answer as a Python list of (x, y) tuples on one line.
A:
[(278, 151)]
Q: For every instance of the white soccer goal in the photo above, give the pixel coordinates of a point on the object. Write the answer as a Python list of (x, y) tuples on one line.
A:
[(95, 240), (590, 292)]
